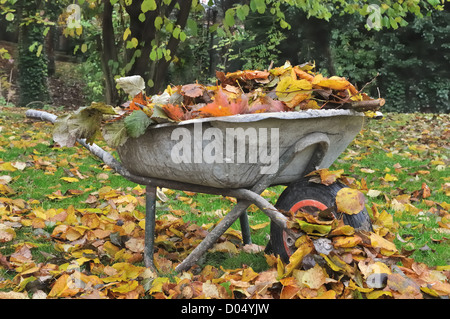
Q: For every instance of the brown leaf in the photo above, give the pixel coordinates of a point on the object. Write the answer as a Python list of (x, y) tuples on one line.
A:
[(192, 90), (403, 287)]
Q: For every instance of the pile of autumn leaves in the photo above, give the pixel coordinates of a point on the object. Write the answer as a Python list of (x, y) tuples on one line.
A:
[(281, 89), (100, 247)]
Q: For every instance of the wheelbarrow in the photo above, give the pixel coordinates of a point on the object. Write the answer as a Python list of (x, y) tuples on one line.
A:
[(238, 156)]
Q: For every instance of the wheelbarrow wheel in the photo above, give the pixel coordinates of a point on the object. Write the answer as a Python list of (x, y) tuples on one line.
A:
[(310, 197)]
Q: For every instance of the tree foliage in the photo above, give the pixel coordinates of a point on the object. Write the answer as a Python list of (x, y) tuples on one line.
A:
[(145, 37), (409, 61)]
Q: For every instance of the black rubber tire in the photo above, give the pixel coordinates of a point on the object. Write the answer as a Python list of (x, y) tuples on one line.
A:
[(325, 195)]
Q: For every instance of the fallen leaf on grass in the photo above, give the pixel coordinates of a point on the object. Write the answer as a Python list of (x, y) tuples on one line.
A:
[(226, 247), (387, 247), (70, 179)]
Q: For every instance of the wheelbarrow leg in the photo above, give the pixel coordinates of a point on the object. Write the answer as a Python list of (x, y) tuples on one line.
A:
[(214, 235), (150, 209), (245, 228)]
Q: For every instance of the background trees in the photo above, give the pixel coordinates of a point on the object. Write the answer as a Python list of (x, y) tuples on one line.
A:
[(179, 41)]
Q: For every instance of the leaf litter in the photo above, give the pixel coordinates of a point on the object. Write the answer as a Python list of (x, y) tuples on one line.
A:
[(283, 89), (96, 251)]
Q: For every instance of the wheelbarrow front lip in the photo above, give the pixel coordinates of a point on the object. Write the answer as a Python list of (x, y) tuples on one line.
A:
[(255, 117)]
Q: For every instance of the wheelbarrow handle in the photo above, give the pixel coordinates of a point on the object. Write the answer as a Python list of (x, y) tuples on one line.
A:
[(41, 115)]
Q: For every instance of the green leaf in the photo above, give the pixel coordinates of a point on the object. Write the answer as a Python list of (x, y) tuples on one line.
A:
[(32, 47), (192, 25), (9, 16), (46, 31), (183, 36), (39, 50), (169, 27), (153, 55), (137, 123), (158, 22), (258, 5), (103, 108), (229, 17), (133, 43), (159, 53), (242, 12), (115, 134), (314, 229), (434, 2), (148, 5), (176, 32)]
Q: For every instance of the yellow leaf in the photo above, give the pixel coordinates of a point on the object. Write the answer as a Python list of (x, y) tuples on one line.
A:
[(328, 177), (288, 88), (443, 268), (125, 287), (305, 246), (335, 83), (6, 190), (126, 34), (390, 178), (63, 287), (70, 179), (110, 249), (346, 241), (259, 226), (157, 284), (387, 247), (329, 294), (7, 166), (346, 230), (226, 246), (248, 274), (353, 286), (331, 263), (378, 293), (350, 201)]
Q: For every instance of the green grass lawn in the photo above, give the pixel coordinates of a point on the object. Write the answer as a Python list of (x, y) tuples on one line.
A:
[(393, 159)]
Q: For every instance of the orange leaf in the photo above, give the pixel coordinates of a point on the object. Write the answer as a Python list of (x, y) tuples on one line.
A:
[(248, 75), (302, 74), (137, 99), (175, 112), (222, 107), (289, 292)]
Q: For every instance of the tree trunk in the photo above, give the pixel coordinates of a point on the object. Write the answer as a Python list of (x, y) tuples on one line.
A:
[(107, 47), (50, 50), (163, 65)]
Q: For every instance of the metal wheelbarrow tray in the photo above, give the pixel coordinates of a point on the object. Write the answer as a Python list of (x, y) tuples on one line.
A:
[(237, 156)]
